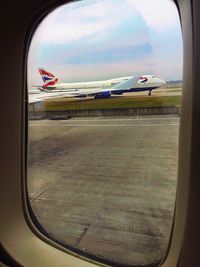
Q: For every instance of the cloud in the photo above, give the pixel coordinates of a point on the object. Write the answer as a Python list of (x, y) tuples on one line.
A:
[(159, 15), (74, 22)]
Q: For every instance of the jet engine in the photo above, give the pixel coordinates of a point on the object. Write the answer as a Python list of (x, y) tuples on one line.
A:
[(118, 92), (103, 95)]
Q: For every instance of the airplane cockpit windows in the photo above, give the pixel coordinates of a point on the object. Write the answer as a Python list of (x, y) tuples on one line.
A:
[(104, 87)]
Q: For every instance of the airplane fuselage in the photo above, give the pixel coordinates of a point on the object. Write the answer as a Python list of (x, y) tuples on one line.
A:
[(144, 83), (61, 87)]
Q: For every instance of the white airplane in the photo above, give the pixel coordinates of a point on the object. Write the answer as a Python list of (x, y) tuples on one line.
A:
[(98, 89)]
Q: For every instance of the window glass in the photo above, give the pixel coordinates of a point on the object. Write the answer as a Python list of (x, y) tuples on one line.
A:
[(104, 86)]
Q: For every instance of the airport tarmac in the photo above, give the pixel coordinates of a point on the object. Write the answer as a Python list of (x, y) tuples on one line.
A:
[(106, 185), (163, 91)]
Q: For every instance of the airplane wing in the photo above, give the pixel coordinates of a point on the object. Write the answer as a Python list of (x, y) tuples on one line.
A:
[(123, 86), (126, 85), (44, 96)]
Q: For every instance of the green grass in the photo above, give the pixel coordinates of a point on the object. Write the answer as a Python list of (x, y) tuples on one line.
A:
[(111, 103)]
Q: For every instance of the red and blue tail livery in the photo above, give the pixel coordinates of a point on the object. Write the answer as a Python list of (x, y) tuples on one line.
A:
[(48, 78)]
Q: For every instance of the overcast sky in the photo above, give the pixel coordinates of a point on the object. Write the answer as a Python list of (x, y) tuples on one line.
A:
[(100, 39)]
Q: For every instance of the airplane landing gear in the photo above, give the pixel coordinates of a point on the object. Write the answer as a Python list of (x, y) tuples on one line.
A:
[(149, 93)]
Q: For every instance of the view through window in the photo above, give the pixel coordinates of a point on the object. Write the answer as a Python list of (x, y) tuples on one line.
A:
[(104, 84)]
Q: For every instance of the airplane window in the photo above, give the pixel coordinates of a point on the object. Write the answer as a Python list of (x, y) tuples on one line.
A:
[(104, 88)]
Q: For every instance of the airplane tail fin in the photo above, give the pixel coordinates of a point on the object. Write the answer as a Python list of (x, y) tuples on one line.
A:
[(48, 78)]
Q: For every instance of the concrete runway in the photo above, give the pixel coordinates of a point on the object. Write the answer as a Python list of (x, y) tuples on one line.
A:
[(106, 186)]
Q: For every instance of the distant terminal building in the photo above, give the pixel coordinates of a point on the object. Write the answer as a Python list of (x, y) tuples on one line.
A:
[(174, 83)]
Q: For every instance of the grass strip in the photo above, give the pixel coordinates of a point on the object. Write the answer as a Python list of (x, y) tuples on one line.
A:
[(111, 103)]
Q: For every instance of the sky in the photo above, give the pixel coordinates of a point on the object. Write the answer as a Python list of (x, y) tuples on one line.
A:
[(101, 39)]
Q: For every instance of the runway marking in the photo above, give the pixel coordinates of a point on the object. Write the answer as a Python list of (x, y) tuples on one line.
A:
[(130, 119), (103, 125)]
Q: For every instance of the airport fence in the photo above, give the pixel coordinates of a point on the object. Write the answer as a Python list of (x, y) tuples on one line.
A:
[(66, 114)]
